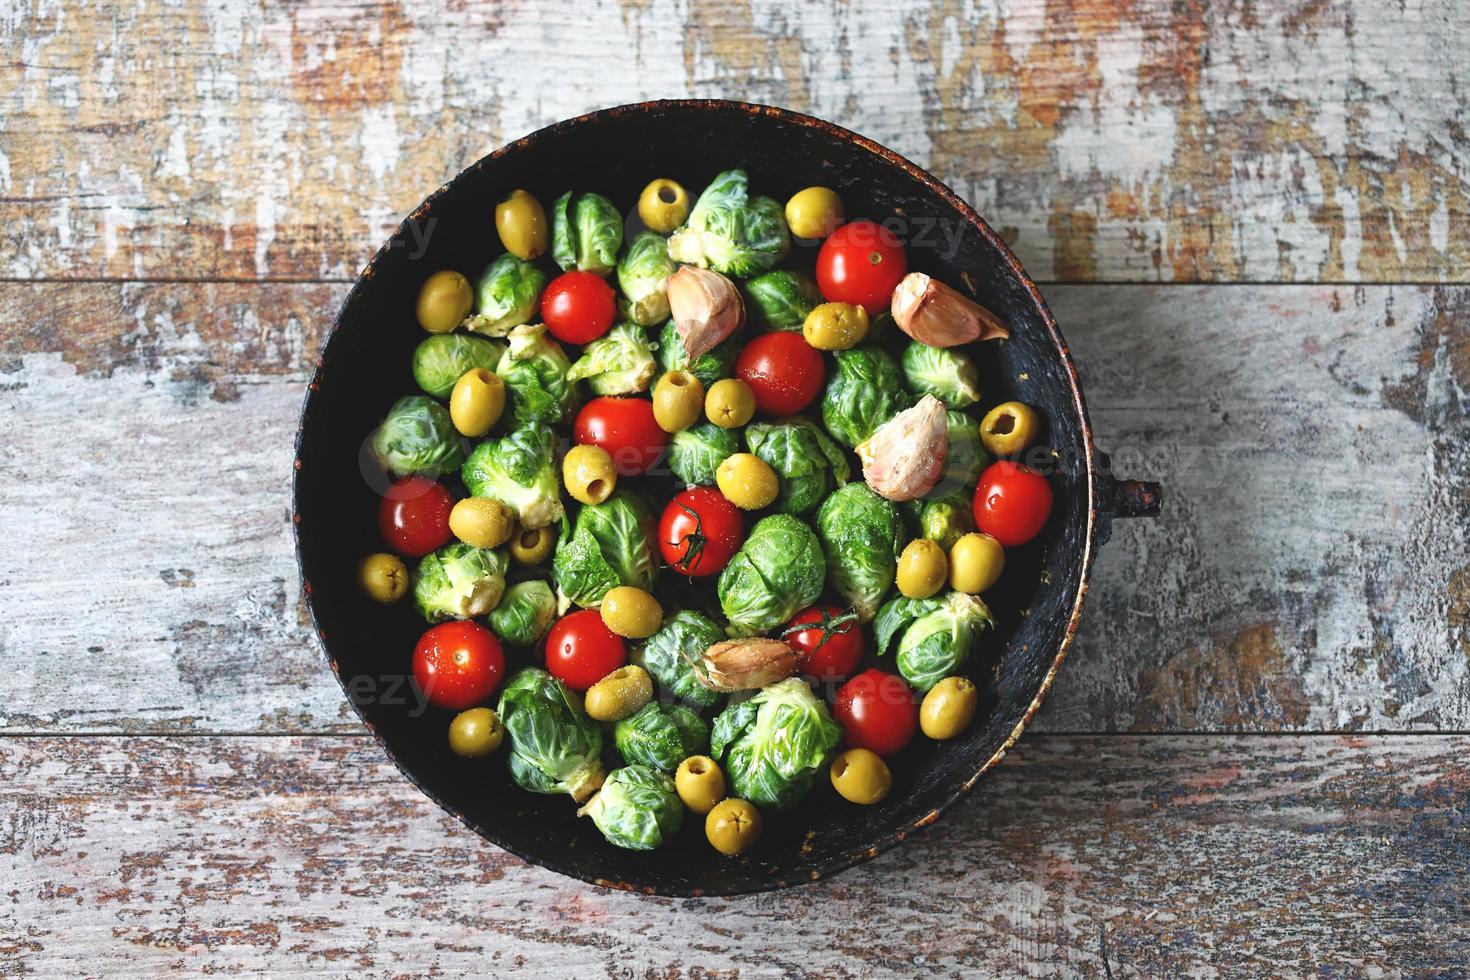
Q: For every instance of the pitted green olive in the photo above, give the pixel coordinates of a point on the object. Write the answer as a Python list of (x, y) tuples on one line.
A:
[(481, 522), (444, 301), (975, 563), (835, 326), (476, 402), (589, 474), (663, 205), (383, 577), (1009, 428), (700, 783), (861, 776), (678, 398), (619, 694), (729, 403), (922, 569), (531, 546), (521, 222), (733, 826), (948, 708), (475, 733)]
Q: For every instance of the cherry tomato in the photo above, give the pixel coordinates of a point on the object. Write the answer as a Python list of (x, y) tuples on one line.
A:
[(458, 665), (1012, 502), (581, 650), (578, 307), (877, 712), (699, 532), (860, 263), (829, 640), (783, 370), (413, 516), (626, 429)]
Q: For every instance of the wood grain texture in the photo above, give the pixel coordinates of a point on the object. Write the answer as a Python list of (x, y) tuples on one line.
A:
[(1309, 571), (1158, 856), (1107, 141)]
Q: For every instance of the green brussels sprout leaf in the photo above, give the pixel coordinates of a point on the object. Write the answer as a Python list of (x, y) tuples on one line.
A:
[(777, 571), (617, 363), (507, 295), (417, 437), (637, 808), (441, 359), (774, 745)]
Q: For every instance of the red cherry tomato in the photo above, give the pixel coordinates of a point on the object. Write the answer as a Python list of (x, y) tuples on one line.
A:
[(699, 532), (581, 650), (626, 429), (877, 712), (578, 307), (1012, 502), (458, 665), (413, 516), (783, 370), (860, 263), (828, 639)]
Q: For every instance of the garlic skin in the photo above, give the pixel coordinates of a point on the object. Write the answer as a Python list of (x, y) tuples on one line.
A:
[(935, 314), (706, 308), (745, 664), (905, 458)]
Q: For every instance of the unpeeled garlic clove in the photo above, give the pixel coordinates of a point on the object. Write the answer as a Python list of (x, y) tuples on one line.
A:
[(905, 458), (706, 308), (935, 314), (745, 664)]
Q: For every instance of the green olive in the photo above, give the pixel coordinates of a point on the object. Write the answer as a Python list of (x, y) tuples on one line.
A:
[(729, 403), (481, 522), (531, 545), (589, 474), (619, 694), (678, 398), (383, 577), (814, 213), (476, 402), (835, 326), (732, 826), (1009, 428), (475, 733), (444, 301), (975, 563), (631, 612), (699, 783), (521, 223), (861, 776), (922, 569), (663, 205), (747, 481), (948, 708)]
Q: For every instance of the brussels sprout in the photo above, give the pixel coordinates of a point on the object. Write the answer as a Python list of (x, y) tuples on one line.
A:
[(866, 391), (458, 581), (780, 299), (417, 437), (937, 638), (525, 613), (945, 520), (774, 745), (534, 369), (517, 470), (586, 231), (643, 273), (636, 808), (777, 571), (862, 536), (618, 363), (554, 746), (947, 373), (669, 655), (661, 736), (442, 358), (964, 459), (696, 452), (808, 465), (507, 295), (708, 367), (731, 232), (611, 544)]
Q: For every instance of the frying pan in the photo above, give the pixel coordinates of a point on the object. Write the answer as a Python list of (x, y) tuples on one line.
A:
[(365, 365)]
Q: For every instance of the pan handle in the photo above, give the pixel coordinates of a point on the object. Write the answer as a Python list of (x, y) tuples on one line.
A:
[(1123, 498)]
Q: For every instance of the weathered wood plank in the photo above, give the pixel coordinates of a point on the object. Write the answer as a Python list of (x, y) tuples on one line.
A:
[(1309, 571), (1146, 141), (1143, 856)]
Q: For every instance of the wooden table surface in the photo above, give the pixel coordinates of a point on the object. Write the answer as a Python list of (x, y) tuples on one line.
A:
[(1253, 223)]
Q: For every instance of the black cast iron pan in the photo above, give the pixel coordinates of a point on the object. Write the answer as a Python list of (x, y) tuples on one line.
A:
[(365, 365)]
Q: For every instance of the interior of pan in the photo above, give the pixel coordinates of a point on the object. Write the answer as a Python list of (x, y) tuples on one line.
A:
[(365, 366)]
